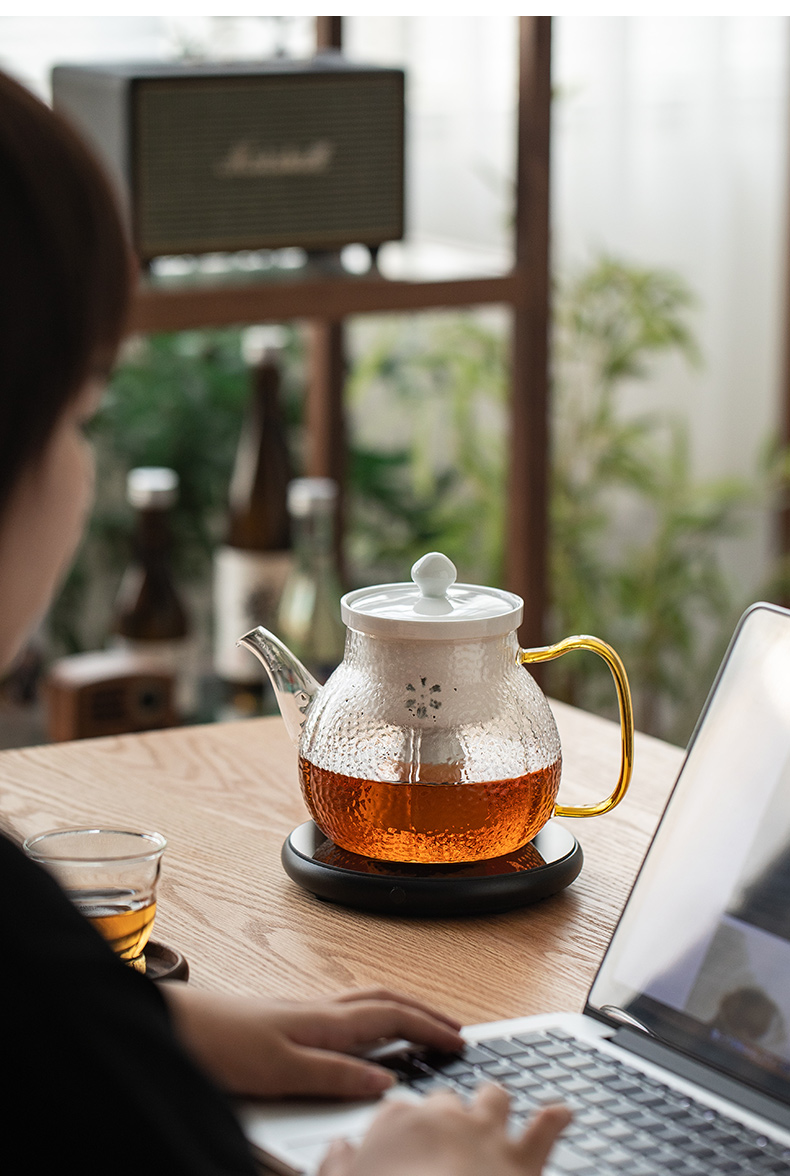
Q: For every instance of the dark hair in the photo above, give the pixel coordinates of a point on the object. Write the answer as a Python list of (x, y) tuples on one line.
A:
[(65, 275)]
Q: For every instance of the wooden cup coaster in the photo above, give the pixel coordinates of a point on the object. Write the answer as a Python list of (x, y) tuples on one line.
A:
[(165, 963)]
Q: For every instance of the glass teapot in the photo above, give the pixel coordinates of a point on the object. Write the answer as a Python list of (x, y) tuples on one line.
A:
[(430, 743)]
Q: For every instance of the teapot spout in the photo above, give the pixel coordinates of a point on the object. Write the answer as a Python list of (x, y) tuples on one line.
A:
[(294, 686)]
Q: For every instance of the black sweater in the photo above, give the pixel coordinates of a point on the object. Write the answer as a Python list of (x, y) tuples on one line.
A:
[(94, 1076)]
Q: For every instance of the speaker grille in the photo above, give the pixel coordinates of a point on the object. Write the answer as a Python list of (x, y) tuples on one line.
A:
[(230, 163)]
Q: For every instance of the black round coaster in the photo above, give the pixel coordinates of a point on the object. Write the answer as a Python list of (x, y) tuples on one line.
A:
[(550, 862)]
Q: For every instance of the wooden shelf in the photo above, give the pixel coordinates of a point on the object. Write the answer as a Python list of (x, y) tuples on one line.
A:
[(213, 303)]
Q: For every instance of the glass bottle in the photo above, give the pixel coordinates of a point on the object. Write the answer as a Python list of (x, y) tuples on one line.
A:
[(308, 619), (150, 616), (253, 561)]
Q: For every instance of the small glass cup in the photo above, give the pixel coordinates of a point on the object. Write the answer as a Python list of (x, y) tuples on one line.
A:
[(111, 876)]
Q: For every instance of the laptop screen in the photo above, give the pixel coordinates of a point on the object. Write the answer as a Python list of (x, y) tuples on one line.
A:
[(701, 955)]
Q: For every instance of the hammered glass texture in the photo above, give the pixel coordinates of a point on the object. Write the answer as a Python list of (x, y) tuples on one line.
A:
[(396, 709)]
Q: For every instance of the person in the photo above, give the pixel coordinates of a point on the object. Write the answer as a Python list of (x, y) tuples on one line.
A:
[(107, 1070)]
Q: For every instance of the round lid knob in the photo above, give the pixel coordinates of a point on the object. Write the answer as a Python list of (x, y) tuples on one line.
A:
[(433, 574)]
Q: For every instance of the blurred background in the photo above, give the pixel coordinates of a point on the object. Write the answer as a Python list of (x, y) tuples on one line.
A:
[(668, 214)]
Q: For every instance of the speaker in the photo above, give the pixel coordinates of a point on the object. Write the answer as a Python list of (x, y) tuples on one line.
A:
[(219, 157)]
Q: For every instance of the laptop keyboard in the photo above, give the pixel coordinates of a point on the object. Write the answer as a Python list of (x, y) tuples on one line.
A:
[(625, 1122)]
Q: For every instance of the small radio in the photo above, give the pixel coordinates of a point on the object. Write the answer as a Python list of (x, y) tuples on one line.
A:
[(108, 692), (219, 157)]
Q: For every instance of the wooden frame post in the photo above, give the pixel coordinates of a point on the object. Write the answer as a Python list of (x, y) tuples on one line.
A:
[(527, 535), (325, 455), (783, 515)]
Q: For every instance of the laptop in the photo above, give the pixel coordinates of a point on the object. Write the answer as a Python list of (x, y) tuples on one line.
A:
[(680, 1061)]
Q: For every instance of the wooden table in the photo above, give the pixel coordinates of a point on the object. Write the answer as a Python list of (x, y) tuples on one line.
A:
[(226, 796)]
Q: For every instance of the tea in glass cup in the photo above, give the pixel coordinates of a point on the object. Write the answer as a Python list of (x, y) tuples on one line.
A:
[(111, 876)]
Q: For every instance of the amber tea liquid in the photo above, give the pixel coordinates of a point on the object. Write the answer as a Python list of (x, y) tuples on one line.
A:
[(429, 821), (124, 923)]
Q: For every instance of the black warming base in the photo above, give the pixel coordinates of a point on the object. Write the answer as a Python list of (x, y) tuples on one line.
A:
[(549, 863)]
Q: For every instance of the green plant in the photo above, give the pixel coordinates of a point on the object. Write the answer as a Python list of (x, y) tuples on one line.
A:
[(427, 399), (175, 400), (635, 537)]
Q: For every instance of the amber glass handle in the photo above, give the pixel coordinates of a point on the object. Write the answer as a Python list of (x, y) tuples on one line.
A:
[(612, 659)]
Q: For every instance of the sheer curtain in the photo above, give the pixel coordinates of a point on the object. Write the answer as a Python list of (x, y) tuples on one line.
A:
[(669, 149), (670, 144)]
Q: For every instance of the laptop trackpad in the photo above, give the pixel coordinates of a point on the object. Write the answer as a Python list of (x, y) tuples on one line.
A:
[(300, 1132)]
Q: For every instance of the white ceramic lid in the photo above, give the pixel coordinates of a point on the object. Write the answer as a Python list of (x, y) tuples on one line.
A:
[(432, 607)]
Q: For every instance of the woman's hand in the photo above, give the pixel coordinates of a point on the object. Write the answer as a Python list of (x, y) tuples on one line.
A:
[(443, 1136), (274, 1048)]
